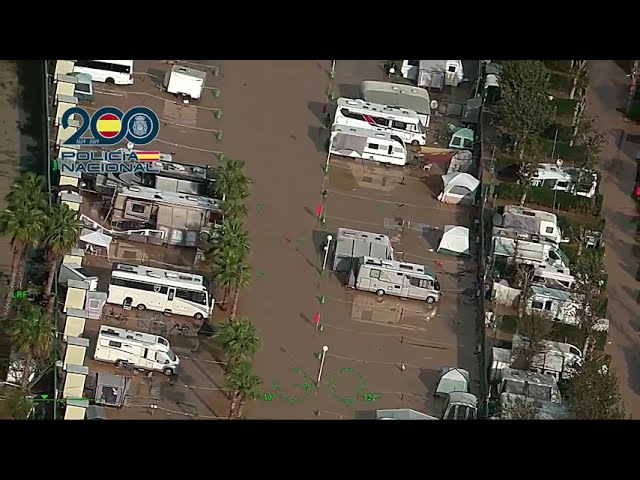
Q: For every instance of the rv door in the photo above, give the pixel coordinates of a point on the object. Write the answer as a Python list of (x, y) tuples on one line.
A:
[(148, 359), (171, 294)]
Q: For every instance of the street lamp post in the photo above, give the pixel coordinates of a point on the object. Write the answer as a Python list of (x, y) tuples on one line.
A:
[(326, 252), (325, 349)]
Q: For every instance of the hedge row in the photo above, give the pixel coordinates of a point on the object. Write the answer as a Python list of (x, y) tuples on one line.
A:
[(549, 198)]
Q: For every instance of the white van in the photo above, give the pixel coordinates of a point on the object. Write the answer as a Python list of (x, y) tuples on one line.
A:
[(377, 145), (401, 121), (141, 350)]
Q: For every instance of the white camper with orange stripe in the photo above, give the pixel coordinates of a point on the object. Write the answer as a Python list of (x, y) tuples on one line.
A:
[(397, 120)]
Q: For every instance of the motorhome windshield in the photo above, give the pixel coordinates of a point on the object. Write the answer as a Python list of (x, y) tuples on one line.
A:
[(421, 128), (529, 390), (163, 341), (171, 355), (436, 285)]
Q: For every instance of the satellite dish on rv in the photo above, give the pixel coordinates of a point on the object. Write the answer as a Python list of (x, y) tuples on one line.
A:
[(434, 104), (559, 162)]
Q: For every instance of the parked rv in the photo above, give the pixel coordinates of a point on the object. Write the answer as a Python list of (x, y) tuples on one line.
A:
[(530, 253), (185, 82), (433, 73), (166, 291), (407, 280), (183, 218), (576, 181), (558, 305), (376, 145), (398, 94), (399, 121), (527, 224), (556, 359), (550, 277), (140, 350), (349, 245), (529, 385)]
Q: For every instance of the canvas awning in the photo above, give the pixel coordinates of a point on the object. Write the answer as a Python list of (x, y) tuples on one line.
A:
[(348, 143), (95, 238), (455, 240)]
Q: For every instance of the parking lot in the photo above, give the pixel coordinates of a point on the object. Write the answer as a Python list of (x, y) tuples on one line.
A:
[(271, 118)]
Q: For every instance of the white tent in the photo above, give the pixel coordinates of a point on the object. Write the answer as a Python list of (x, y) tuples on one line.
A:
[(95, 238), (452, 379), (458, 187), (455, 240)]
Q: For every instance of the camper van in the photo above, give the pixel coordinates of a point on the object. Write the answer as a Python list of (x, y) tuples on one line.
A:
[(558, 305), (376, 145), (536, 386), (556, 359), (141, 350), (398, 94), (550, 277), (530, 253), (160, 290), (433, 73), (400, 121), (407, 280), (350, 245)]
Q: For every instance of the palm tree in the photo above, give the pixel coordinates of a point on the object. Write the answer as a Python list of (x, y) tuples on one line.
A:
[(233, 209), (22, 221), (33, 335), (230, 235), (238, 339), (244, 385), (241, 279), (226, 265), (61, 233), (231, 183)]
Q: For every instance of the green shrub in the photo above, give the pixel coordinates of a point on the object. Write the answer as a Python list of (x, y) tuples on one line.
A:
[(546, 197), (565, 106), (559, 65), (568, 225), (560, 83)]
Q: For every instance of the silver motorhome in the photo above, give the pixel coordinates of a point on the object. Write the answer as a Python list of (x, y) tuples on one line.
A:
[(401, 95), (527, 224), (182, 217), (350, 245), (407, 280)]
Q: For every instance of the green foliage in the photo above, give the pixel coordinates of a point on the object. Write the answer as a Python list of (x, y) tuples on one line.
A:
[(232, 185), (545, 197), (238, 339), (521, 408), (558, 65), (593, 393), (19, 404), (524, 109), (565, 107), (560, 83), (243, 384)]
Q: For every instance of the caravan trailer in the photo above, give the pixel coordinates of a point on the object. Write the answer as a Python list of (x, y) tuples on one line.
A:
[(400, 121), (406, 280), (141, 350), (161, 290), (398, 94), (376, 145)]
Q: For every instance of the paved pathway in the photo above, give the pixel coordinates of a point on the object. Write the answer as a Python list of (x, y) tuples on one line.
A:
[(609, 87)]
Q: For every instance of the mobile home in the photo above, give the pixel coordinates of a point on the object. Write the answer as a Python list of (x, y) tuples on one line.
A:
[(350, 245), (398, 94), (400, 121), (378, 146), (558, 278), (183, 218), (433, 73), (166, 291), (576, 181), (141, 350), (407, 280), (529, 253), (556, 359), (557, 305), (532, 385)]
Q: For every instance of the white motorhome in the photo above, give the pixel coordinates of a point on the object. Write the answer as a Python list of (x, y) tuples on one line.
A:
[(556, 359), (550, 277), (402, 279), (433, 73), (400, 121), (160, 290), (398, 94), (558, 305), (530, 253), (185, 82), (527, 224), (583, 183), (529, 385), (349, 245), (376, 145), (118, 72), (141, 350)]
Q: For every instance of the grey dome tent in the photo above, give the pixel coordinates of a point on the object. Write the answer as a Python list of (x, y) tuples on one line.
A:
[(455, 241), (452, 379)]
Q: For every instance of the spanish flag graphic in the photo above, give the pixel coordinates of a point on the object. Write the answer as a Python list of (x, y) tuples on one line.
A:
[(109, 125), (148, 156)]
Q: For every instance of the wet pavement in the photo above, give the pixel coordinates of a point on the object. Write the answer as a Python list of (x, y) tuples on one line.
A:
[(609, 91)]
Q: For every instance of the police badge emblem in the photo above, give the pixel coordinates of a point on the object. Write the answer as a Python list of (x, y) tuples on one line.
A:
[(140, 126)]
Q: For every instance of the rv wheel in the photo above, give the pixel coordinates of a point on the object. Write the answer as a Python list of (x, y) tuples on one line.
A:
[(168, 372), (141, 306), (110, 81), (430, 300), (380, 292), (415, 143), (198, 316), (120, 363)]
